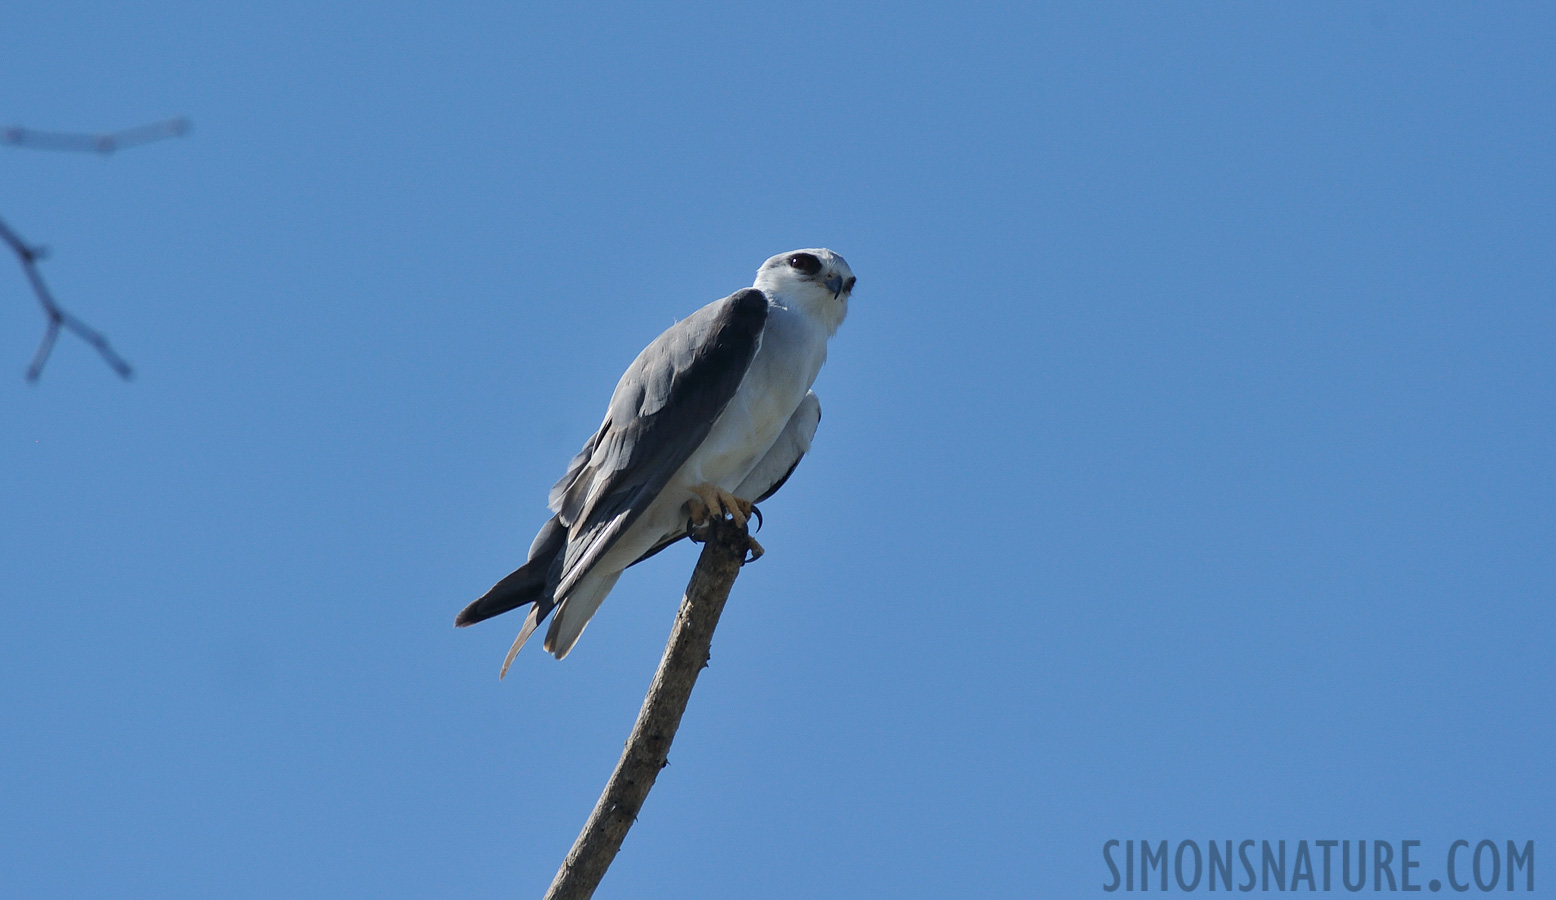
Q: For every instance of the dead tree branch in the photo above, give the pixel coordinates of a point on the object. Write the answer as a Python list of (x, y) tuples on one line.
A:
[(648, 748), (57, 317), (105, 142)]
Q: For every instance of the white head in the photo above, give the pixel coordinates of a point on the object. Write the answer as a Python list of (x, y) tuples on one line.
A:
[(817, 282)]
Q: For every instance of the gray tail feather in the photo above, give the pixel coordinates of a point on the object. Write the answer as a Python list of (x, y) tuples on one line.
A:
[(531, 622), (530, 583), (523, 587), (535, 583)]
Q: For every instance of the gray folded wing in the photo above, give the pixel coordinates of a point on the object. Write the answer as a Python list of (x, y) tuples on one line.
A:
[(662, 410)]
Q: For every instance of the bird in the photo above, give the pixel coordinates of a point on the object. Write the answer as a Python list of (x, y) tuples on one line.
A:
[(709, 420)]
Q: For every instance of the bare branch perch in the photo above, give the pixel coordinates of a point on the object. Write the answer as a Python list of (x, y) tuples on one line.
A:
[(648, 748), (105, 142), (57, 317)]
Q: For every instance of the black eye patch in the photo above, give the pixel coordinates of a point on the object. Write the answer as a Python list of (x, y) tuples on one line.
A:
[(805, 263)]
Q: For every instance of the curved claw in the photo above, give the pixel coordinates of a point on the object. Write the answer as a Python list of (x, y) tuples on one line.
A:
[(758, 514), (756, 551)]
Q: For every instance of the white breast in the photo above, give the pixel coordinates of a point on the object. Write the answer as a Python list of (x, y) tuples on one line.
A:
[(792, 351)]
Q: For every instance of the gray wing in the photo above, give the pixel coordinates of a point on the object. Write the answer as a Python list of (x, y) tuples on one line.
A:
[(774, 468), (662, 410)]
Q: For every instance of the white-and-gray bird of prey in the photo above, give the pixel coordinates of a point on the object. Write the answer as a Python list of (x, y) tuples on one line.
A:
[(711, 418)]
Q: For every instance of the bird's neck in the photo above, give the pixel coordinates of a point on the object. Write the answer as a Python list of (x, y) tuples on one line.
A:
[(823, 312)]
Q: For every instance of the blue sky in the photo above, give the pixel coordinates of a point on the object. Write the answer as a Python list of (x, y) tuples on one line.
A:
[(1186, 468)]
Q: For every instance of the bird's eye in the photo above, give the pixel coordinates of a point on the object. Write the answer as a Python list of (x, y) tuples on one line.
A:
[(805, 262)]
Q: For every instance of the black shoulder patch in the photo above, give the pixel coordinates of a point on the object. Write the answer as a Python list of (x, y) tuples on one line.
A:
[(749, 303)]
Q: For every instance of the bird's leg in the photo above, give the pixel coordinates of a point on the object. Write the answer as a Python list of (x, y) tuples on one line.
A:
[(713, 501), (697, 511)]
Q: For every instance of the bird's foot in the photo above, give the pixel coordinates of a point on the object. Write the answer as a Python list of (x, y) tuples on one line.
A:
[(713, 502)]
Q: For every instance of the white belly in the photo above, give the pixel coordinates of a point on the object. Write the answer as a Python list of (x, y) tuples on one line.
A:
[(783, 369)]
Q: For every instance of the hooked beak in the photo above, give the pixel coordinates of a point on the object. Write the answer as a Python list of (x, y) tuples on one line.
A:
[(835, 285)]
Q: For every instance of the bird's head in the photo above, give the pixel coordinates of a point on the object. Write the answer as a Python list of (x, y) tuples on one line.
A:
[(817, 281)]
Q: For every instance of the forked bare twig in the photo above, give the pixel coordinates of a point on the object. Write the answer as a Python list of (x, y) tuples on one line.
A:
[(57, 317)]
